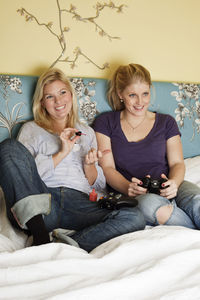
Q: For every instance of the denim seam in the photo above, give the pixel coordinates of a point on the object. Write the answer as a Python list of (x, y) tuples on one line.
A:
[(61, 204)]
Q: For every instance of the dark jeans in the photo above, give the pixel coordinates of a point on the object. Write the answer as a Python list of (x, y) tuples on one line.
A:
[(25, 193)]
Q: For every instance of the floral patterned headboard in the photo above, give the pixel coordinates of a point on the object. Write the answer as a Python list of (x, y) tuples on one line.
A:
[(181, 100)]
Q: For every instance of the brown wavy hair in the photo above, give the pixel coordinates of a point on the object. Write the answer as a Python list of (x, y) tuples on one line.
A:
[(124, 76)]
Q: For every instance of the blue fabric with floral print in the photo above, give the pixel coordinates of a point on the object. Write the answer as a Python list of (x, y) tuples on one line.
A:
[(180, 100)]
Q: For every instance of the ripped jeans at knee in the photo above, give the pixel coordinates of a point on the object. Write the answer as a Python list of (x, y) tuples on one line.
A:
[(149, 204)]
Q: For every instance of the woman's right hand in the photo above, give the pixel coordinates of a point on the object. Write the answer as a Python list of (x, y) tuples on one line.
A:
[(67, 140), (135, 188)]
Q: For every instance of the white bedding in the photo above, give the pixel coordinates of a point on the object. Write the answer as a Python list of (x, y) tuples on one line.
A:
[(158, 263)]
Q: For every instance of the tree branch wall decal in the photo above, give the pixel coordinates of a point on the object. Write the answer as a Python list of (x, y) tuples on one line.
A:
[(61, 36)]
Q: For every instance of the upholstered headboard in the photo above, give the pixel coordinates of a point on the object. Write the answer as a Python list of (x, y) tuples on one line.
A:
[(180, 100)]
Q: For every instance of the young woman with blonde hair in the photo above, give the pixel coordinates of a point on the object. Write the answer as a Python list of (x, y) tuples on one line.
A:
[(48, 173), (145, 147)]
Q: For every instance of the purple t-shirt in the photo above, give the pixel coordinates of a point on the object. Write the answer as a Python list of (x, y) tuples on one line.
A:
[(137, 159)]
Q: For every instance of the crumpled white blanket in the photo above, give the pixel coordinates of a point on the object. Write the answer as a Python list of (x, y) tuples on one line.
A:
[(159, 263)]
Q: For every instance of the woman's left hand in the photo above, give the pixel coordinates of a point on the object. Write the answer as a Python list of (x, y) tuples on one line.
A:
[(92, 156), (89, 164), (169, 188)]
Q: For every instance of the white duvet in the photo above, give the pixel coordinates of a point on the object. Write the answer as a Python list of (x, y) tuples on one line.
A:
[(158, 263)]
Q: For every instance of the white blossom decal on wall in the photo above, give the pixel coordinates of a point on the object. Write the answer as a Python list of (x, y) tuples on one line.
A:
[(85, 92), (11, 116), (188, 105), (61, 35)]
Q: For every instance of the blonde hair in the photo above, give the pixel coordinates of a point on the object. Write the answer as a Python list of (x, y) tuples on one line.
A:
[(41, 116), (124, 76)]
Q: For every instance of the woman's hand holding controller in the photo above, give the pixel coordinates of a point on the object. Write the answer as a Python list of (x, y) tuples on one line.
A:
[(135, 188), (169, 188)]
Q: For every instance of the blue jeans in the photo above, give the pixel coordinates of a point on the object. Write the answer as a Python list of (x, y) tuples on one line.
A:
[(26, 196), (188, 200), (186, 206)]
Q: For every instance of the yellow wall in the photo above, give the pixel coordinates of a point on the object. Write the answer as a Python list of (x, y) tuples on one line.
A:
[(162, 35)]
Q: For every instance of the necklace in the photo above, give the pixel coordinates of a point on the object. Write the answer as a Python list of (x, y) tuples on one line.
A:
[(134, 128)]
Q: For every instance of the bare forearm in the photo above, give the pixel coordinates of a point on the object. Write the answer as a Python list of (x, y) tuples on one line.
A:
[(90, 173), (116, 180), (177, 173)]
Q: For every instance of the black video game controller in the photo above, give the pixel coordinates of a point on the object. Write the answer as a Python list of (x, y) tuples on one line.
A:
[(153, 185), (116, 201)]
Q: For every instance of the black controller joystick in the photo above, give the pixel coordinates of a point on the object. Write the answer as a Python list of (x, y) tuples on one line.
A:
[(116, 201), (153, 185)]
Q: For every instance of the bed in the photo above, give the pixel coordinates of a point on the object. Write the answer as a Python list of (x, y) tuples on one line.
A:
[(162, 262)]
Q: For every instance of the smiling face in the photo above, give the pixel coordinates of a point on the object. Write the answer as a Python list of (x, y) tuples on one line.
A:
[(57, 100), (136, 98)]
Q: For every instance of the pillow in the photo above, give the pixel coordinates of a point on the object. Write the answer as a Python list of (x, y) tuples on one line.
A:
[(192, 170), (180, 100)]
